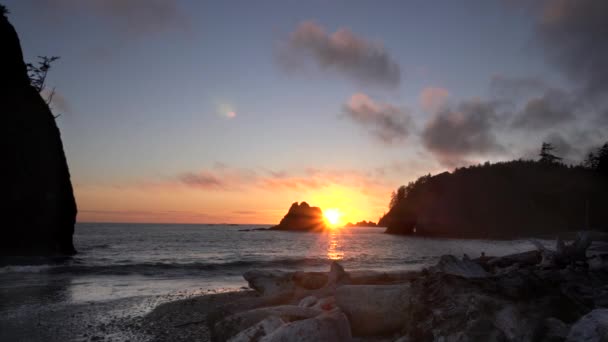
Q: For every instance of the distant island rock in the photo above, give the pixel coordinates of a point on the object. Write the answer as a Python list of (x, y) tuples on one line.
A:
[(302, 217), (361, 224), (38, 205)]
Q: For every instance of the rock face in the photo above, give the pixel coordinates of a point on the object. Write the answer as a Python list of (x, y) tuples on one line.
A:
[(38, 205), (302, 217)]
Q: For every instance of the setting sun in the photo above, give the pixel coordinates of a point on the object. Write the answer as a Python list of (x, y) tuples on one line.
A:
[(332, 216)]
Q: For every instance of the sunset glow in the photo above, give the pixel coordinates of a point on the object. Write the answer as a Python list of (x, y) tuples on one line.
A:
[(333, 216)]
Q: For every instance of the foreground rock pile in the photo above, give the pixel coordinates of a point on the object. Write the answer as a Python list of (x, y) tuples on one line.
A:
[(541, 295)]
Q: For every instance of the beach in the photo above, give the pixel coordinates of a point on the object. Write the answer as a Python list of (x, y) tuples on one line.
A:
[(124, 271)]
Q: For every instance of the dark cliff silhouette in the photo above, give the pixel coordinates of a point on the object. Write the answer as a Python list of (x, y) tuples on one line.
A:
[(502, 200), (37, 202), (361, 224), (302, 217)]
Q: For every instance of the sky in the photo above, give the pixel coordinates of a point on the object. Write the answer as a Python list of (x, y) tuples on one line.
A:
[(229, 111)]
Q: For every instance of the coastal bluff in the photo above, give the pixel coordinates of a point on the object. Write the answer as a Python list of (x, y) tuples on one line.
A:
[(38, 205), (302, 218)]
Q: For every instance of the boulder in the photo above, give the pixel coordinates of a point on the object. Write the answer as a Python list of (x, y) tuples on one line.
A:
[(302, 217), (374, 309), (37, 205), (593, 327), (554, 330), (330, 326)]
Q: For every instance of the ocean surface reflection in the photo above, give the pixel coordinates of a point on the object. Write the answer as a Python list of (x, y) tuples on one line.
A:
[(334, 250)]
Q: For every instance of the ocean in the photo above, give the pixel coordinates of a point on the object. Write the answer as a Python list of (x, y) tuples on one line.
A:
[(120, 262)]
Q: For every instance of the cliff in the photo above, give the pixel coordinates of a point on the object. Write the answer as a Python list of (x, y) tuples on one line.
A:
[(503, 200), (302, 217), (37, 203)]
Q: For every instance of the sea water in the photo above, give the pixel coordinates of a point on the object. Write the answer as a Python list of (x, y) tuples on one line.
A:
[(124, 260)]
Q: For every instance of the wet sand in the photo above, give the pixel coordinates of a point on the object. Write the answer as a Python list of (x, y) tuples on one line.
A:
[(144, 318)]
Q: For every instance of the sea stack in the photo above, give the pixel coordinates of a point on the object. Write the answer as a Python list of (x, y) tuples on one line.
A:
[(302, 217), (38, 205)]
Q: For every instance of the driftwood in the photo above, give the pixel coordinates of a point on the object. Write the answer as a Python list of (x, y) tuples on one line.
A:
[(565, 254), (526, 296)]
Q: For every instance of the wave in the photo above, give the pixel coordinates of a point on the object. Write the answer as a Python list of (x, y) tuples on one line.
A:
[(168, 269)]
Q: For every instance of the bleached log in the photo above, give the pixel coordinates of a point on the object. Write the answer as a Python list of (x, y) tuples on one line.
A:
[(330, 326)]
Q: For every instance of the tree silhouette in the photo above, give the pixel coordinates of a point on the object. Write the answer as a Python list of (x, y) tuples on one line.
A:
[(37, 74), (398, 196), (546, 156)]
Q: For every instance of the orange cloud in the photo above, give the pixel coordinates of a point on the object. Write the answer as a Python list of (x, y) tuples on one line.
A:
[(223, 194)]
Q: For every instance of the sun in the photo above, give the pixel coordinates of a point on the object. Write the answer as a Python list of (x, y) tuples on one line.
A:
[(332, 216)]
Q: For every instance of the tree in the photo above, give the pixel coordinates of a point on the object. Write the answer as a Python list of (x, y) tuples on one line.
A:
[(398, 196), (546, 155), (598, 160), (602, 159), (591, 161), (37, 74)]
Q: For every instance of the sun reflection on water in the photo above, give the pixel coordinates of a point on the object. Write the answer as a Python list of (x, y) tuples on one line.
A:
[(334, 249)]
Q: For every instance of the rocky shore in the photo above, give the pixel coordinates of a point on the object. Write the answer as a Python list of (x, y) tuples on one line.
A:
[(540, 295)]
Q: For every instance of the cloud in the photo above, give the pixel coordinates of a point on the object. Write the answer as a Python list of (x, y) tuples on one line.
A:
[(454, 134), (341, 51), (574, 35), (225, 178), (134, 17), (386, 122), (510, 88), (553, 108), (220, 177), (203, 179), (433, 99)]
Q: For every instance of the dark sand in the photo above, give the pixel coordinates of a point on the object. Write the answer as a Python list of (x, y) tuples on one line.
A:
[(146, 318)]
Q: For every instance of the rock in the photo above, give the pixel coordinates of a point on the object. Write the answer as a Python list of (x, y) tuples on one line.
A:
[(598, 262), (258, 330), (330, 326), (361, 224), (593, 327), (302, 217), (270, 283), (37, 205), (374, 309), (464, 268), (234, 324), (554, 330), (515, 324)]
